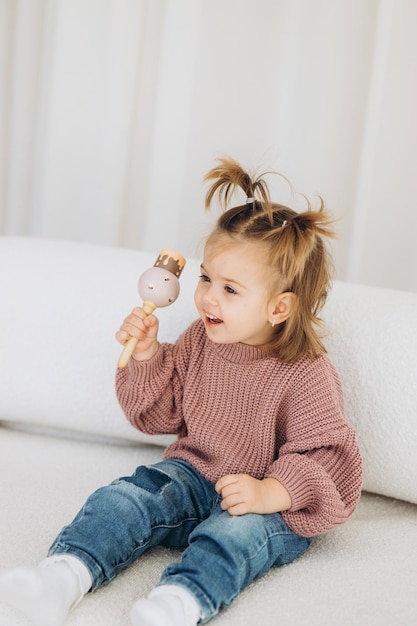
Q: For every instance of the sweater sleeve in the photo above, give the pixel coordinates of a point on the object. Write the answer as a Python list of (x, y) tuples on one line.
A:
[(150, 392), (319, 463)]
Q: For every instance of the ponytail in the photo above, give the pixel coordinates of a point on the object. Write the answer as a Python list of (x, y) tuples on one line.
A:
[(296, 252), (294, 241), (228, 177)]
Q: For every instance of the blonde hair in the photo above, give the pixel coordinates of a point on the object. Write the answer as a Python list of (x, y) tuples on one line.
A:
[(296, 251)]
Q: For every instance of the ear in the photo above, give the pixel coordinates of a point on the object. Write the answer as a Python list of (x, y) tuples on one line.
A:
[(281, 307)]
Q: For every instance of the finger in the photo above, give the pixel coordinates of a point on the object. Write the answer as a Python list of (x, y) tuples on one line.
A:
[(235, 505), (151, 325), (133, 330), (137, 316), (239, 509), (231, 501), (122, 337), (150, 320), (138, 311), (223, 482), (231, 490), (135, 324)]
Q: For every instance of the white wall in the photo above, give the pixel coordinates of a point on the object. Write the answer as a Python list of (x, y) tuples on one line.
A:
[(111, 112)]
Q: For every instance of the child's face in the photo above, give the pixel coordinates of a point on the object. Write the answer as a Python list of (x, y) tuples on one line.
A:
[(232, 295)]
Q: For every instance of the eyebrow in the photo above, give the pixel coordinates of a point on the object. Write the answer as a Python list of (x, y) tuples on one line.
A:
[(226, 280)]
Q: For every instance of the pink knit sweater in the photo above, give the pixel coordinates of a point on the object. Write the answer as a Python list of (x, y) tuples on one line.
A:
[(236, 410)]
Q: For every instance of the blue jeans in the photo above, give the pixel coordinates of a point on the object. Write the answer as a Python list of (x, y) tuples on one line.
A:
[(171, 504)]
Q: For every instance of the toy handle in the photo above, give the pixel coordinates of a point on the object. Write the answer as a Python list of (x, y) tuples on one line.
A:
[(148, 307)]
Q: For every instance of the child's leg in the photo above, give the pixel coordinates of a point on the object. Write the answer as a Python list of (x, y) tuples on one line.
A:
[(226, 553), (45, 594), (157, 504)]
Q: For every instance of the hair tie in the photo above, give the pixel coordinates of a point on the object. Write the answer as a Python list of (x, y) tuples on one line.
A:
[(284, 223), (249, 200)]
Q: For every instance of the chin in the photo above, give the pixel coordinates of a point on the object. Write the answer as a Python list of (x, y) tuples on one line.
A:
[(218, 337)]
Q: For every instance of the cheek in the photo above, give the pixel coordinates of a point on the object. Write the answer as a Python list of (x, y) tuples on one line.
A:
[(198, 295)]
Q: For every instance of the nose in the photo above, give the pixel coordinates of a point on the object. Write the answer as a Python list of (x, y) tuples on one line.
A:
[(209, 297)]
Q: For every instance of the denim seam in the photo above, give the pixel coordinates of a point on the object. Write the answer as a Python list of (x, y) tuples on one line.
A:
[(260, 548)]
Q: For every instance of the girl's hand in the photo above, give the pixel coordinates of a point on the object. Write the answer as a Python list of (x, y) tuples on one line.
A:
[(145, 328), (244, 494)]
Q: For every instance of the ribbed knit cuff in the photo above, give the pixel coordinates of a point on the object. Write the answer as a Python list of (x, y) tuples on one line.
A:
[(302, 494), (142, 370)]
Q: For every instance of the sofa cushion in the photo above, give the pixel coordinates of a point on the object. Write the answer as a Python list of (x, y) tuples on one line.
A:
[(373, 344), (348, 577), (62, 302)]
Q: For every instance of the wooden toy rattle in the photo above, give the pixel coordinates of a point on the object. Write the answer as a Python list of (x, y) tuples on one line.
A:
[(158, 287)]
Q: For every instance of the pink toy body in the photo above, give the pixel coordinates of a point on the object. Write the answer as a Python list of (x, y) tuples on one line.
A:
[(159, 286)]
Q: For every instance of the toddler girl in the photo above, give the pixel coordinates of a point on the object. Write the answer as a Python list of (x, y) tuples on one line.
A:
[(263, 460)]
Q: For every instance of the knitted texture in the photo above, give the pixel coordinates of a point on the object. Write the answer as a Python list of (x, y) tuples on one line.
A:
[(236, 410)]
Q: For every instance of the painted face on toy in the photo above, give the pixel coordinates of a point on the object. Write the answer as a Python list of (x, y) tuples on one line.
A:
[(233, 292)]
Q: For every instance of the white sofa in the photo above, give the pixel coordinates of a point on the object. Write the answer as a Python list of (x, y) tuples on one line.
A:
[(62, 434)]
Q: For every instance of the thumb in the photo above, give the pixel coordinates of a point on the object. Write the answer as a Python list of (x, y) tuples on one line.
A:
[(152, 324)]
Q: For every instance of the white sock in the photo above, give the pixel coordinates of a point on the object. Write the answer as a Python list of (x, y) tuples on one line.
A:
[(45, 594), (166, 605)]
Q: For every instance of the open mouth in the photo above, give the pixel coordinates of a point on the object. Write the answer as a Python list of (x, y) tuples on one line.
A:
[(212, 320)]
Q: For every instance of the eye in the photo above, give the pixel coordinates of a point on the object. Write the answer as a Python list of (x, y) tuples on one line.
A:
[(230, 289), (204, 278)]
